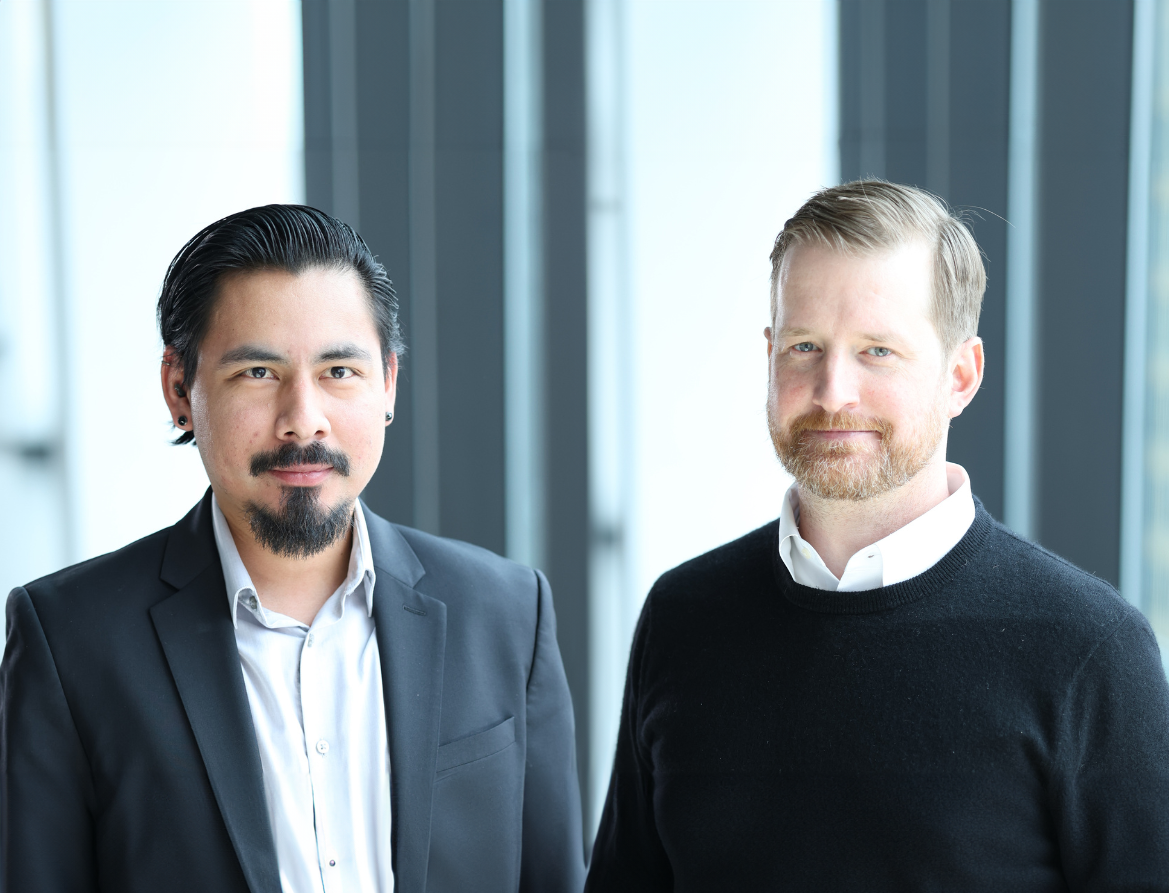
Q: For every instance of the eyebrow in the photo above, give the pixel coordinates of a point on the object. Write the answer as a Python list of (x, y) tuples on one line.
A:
[(865, 336), (344, 352), (251, 353)]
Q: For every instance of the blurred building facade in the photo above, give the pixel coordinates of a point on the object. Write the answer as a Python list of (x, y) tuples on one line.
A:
[(576, 200)]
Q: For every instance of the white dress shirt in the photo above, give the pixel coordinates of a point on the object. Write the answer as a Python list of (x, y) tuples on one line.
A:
[(316, 698), (904, 553)]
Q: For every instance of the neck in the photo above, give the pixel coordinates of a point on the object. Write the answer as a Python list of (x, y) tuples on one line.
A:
[(839, 528), (295, 587)]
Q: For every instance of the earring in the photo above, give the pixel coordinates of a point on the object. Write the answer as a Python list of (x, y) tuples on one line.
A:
[(182, 421), (389, 416)]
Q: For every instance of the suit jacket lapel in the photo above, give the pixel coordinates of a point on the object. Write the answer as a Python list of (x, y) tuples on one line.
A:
[(199, 642), (411, 634)]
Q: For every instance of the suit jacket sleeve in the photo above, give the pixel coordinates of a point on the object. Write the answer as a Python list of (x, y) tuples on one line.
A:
[(1111, 784), (553, 844), (46, 793), (628, 854)]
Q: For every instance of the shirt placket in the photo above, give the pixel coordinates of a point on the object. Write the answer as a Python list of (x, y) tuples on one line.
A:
[(319, 741)]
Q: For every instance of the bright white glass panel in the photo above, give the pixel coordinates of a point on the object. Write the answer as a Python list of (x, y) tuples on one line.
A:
[(731, 110), (171, 115)]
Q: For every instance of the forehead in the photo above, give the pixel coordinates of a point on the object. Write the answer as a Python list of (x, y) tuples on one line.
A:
[(882, 290), (289, 311)]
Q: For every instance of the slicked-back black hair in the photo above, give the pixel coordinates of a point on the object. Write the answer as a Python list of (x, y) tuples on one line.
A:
[(293, 238)]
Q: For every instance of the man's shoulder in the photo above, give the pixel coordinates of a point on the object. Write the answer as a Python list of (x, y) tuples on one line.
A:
[(454, 571), (126, 572), (1044, 581)]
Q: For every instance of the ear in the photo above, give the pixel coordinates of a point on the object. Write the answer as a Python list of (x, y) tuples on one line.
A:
[(391, 382), (965, 374), (174, 390)]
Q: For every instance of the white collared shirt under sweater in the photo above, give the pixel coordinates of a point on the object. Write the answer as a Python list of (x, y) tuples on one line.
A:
[(905, 553)]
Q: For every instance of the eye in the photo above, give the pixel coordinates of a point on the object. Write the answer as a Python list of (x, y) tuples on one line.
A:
[(878, 351), (338, 372), (804, 347), (258, 372)]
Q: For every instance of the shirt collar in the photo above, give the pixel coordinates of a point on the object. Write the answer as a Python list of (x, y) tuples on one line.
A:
[(239, 581), (905, 553)]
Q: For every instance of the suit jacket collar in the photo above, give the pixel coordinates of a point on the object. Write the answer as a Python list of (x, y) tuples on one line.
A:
[(195, 629), (198, 640), (411, 634), (190, 546)]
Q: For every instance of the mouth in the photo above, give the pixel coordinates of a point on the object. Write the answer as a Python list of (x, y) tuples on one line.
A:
[(302, 475), (842, 435)]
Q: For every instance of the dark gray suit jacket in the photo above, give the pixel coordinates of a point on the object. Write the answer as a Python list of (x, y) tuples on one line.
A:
[(128, 759)]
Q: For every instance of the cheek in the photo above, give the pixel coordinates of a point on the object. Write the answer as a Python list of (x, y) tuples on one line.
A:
[(789, 391), (230, 431), (359, 429)]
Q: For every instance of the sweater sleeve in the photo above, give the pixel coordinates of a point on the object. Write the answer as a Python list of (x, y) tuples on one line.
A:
[(628, 853), (1111, 784)]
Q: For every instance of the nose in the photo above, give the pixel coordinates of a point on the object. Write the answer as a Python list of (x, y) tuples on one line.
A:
[(301, 414), (837, 386)]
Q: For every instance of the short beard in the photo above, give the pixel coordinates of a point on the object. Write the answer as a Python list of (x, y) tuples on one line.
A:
[(302, 526), (847, 471)]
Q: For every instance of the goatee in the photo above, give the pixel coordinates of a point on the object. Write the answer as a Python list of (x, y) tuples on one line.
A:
[(302, 526)]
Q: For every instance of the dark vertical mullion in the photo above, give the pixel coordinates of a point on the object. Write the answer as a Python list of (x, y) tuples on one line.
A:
[(383, 100), (468, 195), (566, 351), (318, 113), (1085, 85), (976, 174), (851, 97)]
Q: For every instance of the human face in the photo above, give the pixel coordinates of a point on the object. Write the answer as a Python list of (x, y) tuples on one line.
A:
[(861, 390), (289, 365)]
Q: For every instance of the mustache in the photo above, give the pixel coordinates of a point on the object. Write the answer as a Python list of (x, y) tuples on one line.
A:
[(819, 420), (291, 455)]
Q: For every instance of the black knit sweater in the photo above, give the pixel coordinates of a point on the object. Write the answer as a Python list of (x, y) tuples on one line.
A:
[(998, 723)]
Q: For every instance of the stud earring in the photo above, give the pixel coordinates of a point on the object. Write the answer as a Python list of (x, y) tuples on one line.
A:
[(389, 416), (182, 421)]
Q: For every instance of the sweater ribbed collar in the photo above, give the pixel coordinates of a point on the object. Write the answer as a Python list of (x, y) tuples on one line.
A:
[(886, 597)]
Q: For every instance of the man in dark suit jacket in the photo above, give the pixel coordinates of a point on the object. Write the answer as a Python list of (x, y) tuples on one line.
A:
[(143, 745)]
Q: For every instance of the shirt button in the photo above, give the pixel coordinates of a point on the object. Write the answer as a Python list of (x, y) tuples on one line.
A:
[(253, 602), (322, 746), (332, 862), (309, 640)]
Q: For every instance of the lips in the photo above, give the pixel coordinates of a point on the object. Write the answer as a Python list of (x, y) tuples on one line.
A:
[(302, 475)]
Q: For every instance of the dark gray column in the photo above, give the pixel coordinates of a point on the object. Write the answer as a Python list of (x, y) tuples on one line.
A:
[(468, 214), (1085, 79), (975, 182), (924, 101), (566, 351), (404, 131)]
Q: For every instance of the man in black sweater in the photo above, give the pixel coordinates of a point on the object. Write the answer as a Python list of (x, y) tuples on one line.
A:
[(886, 689)]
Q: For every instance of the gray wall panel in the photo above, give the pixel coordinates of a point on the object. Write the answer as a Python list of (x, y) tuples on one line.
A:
[(469, 242), (939, 121), (383, 86), (979, 59), (566, 344), (1085, 77)]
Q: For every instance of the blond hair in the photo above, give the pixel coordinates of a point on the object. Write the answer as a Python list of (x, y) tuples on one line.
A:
[(867, 216)]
